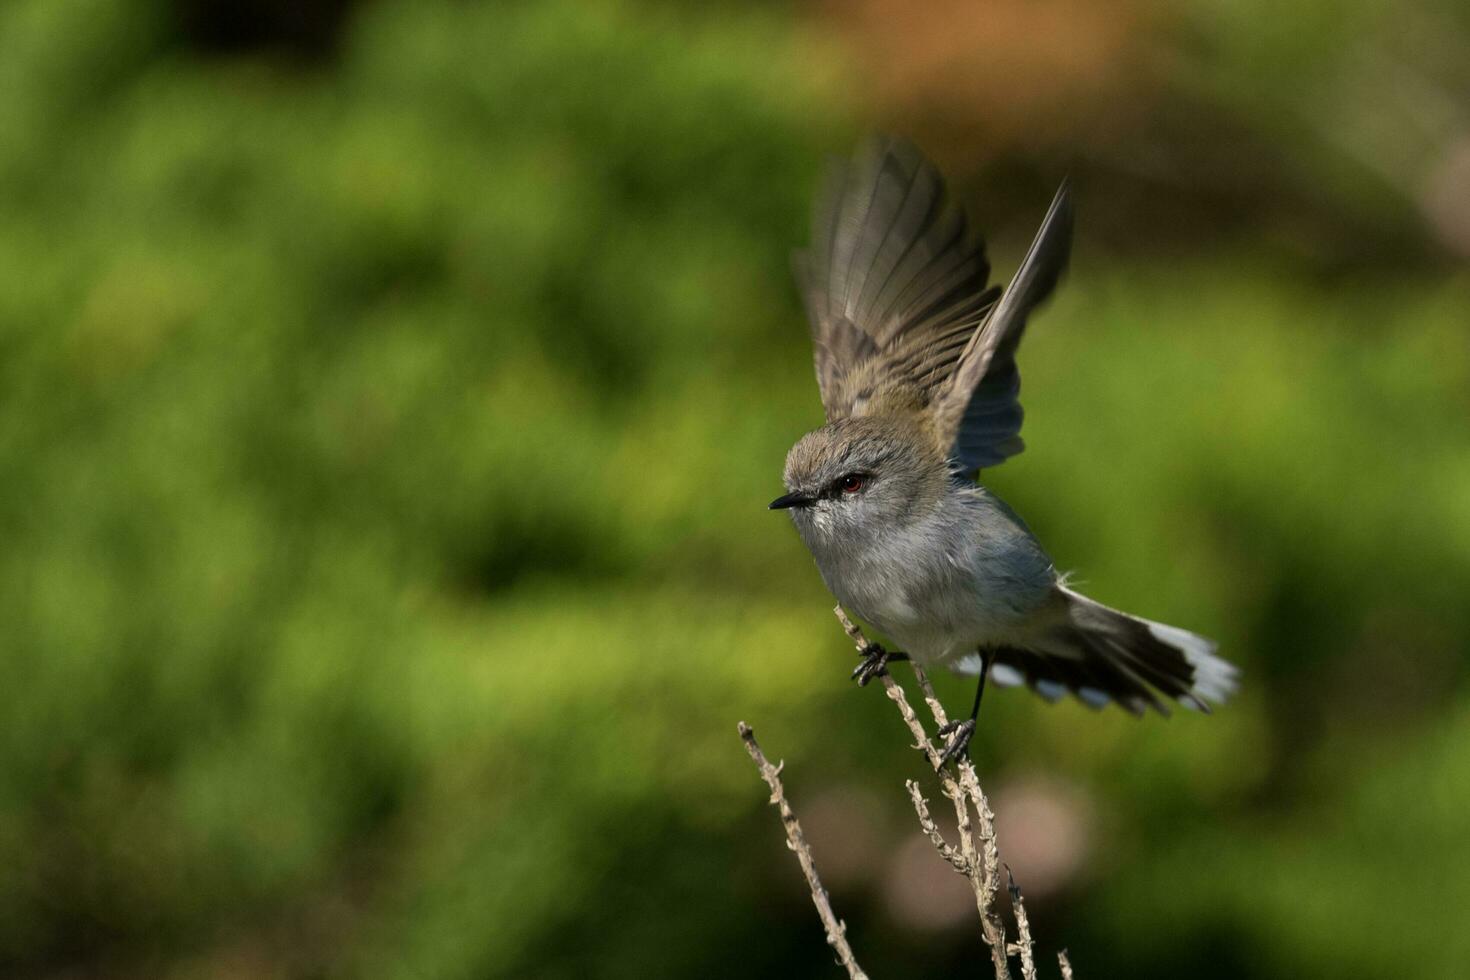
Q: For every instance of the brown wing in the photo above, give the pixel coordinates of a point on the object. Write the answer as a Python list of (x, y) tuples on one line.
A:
[(893, 284)]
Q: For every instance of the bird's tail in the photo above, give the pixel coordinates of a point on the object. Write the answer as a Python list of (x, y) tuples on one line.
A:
[(1101, 655)]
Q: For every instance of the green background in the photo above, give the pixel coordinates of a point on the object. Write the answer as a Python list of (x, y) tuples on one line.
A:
[(390, 394)]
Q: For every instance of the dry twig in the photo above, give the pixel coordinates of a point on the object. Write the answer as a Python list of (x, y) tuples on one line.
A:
[(931, 829), (989, 878), (964, 793), (1023, 929), (796, 841), (977, 857)]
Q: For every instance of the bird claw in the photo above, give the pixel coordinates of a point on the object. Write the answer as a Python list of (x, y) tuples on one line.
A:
[(958, 743), (875, 663)]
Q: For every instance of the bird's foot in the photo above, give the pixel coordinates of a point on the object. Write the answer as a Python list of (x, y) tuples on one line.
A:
[(958, 742), (875, 663)]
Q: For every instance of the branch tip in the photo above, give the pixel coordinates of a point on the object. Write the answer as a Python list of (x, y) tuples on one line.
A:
[(796, 841), (976, 857)]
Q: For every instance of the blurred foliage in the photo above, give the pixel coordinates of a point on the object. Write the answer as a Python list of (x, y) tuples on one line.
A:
[(387, 423)]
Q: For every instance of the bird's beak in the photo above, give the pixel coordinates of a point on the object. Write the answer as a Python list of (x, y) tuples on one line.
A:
[(792, 500)]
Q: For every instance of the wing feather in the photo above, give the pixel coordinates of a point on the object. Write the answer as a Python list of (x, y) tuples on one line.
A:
[(891, 270), (897, 293), (979, 412)]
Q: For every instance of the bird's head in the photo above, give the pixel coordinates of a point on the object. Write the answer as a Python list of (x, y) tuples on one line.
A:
[(857, 479)]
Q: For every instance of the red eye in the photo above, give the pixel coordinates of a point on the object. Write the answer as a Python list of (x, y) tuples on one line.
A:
[(851, 483)]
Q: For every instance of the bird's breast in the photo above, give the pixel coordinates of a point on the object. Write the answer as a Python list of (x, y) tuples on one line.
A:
[(967, 577)]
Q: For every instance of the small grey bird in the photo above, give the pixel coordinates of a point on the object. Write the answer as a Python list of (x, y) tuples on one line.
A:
[(916, 362)]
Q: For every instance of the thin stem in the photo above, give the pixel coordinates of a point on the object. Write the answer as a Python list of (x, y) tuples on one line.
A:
[(1024, 946), (796, 841), (980, 872), (931, 830), (989, 878)]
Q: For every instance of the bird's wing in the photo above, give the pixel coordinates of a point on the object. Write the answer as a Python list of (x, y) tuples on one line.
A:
[(893, 285), (977, 415)]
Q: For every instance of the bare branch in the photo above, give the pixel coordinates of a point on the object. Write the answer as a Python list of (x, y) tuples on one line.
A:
[(981, 873), (796, 841), (1024, 947), (927, 824), (988, 880), (977, 857)]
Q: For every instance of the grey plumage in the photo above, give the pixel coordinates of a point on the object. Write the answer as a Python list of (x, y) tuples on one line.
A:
[(915, 360)]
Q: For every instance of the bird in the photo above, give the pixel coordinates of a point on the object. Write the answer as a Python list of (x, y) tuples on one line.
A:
[(915, 357)]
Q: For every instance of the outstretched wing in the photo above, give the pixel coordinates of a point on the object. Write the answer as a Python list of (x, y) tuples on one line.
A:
[(893, 284), (897, 295), (978, 413)]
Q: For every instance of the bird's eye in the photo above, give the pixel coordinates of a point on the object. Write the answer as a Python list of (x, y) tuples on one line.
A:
[(852, 482)]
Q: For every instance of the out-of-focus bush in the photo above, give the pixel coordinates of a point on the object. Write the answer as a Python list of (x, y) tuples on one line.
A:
[(385, 438), (1339, 132)]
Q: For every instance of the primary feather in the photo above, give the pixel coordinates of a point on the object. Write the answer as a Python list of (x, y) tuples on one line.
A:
[(980, 408), (900, 305), (894, 285)]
